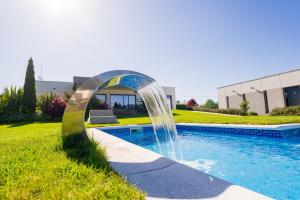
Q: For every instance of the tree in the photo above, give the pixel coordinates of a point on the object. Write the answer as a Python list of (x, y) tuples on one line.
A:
[(210, 104), (29, 98), (244, 107), (191, 103)]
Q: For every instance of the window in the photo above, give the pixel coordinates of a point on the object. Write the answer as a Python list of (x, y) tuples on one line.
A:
[(227, 102), (101, 97), (169, 98), (132, 100), (266, 102), (122, 101), (292, 96)]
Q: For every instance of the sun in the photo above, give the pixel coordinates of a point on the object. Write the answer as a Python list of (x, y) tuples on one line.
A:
[(61, 7)]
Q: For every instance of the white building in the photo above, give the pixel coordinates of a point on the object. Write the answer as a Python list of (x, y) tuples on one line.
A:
[(112, 95), (264, 94)]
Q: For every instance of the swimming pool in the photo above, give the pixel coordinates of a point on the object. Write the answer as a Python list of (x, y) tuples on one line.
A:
[(259, 159)]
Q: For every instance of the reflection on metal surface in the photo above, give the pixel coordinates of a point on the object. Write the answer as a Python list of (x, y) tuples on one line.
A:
[(73, 119)]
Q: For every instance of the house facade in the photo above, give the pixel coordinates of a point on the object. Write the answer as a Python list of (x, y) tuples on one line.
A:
[(120, 95), (263, 94)]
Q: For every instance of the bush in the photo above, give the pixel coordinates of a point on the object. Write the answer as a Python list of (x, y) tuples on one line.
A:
[(191, 103), (16, 117), (10, 101), (210, 104), (24, 117), (10, 108), (183, 107), (251, 113), (52, 106), (230, 111), (57, 107), (288, 111), (44, 101), (244, 107)]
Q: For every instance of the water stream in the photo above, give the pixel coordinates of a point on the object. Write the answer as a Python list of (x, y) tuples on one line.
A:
[(162, 120)]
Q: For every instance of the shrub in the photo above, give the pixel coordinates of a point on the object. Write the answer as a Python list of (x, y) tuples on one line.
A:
[(230, 111), (210, 104), (17, 117), (191, 103), (57, 107), (183, 107), (29, 98), (44, 101), (244, 107), (10, 101), (251, 113), (288, 111), (52, 106)]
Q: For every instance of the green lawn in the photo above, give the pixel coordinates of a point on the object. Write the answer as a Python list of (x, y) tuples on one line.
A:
[(34, 165), (201, 117)]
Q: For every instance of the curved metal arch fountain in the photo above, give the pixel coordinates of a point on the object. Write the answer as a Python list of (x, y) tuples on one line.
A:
[(73, 123)]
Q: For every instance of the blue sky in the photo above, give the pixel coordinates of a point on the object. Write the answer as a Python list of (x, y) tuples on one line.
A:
[(195, 46)]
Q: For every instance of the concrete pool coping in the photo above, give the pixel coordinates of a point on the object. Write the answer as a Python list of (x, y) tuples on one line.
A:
[(162, 178)]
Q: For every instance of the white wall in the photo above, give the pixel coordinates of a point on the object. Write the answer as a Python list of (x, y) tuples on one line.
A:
[(222, 101), (52, 86), (235, 101), (275, 98), (170, 91), (256, 102)]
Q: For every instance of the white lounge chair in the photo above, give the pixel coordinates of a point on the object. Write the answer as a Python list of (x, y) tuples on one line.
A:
[(102, 117)]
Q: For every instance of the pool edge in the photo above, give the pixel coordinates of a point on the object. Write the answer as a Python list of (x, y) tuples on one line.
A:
[(153, 173)]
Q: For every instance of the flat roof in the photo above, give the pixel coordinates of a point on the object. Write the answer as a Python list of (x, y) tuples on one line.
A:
[(298, 69), (54, 81), (85, 77)]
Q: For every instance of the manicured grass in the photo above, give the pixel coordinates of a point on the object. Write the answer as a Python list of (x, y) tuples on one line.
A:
[(202, 117), (35, 165)]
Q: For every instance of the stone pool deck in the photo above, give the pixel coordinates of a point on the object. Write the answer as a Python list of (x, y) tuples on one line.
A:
[(162, 178)]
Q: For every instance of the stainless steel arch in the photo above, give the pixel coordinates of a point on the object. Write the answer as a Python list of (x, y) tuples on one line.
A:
[(73, 123)]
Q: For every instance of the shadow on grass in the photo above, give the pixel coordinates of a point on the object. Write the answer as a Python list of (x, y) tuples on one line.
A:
[(131, 116), (82, 150), (19, 124), (137, 116)]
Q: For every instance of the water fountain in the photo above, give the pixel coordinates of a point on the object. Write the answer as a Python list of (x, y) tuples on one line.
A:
[(152, 94)]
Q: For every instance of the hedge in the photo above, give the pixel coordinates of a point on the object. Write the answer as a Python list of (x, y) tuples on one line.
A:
[(288, 111), (183, 107)]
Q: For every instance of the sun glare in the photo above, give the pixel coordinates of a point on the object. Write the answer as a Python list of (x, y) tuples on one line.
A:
[(61, 7)]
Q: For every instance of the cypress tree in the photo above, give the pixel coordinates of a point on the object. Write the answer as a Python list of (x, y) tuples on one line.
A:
[(29, 98)]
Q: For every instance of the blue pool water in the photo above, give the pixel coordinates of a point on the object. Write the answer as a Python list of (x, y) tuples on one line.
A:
[(269, 165)]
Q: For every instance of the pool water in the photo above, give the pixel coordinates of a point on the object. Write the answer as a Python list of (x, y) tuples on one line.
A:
[(270, 166)]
